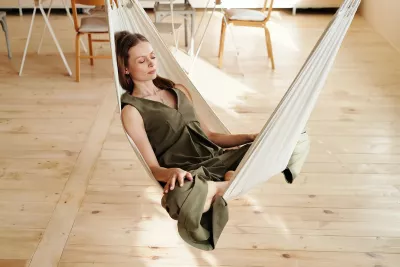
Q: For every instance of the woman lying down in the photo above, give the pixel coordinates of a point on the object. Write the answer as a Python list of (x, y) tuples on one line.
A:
[(192, 163)]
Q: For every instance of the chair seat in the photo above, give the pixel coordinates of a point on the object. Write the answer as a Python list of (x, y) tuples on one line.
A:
[(245, 14), (94, 24), (166, 27)]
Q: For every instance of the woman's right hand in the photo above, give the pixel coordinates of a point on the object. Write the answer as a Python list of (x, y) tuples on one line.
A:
[(175, 174)]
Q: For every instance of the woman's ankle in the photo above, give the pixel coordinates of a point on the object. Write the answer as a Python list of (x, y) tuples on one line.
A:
[(221, 187), (215, 189), (212, 191)]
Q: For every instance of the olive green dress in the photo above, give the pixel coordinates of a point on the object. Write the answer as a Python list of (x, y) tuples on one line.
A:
[(179, 142)]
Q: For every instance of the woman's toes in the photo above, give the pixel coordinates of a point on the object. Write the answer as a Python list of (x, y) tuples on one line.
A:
[(229, 175)]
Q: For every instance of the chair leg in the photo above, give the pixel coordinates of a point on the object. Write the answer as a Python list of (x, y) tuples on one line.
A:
[(27, 41), (269, 47), (5, 29), (72, 20), (77, 57), (221, 43), (90, 49), (192, 27)]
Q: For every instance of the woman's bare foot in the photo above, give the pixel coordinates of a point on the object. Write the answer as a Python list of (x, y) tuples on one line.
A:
[(229, 175), (214, 189)]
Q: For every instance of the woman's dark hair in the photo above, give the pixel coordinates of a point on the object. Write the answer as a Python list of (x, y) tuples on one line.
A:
[(124, 41)]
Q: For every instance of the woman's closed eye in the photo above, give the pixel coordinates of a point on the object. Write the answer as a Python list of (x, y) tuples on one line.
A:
[(142, 60)]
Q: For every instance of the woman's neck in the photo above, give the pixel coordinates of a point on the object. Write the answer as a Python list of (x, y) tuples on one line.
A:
[(143, 89)]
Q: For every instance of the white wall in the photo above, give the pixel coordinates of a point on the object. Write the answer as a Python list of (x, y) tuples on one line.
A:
[(384, 17)]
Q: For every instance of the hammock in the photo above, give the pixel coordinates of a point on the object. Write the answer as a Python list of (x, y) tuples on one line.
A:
[(271, 151)]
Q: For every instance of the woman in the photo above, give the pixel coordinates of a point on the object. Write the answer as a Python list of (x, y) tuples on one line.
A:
[(193, 163), (171, 150)]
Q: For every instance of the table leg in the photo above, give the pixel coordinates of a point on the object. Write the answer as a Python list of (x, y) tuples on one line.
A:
[(27, 41), (192, 25), (55, 40)]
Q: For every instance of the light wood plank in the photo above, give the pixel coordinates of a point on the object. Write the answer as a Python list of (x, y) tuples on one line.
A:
[(50, 248), (161, 238), (32, 215), (155, 255), (296, 227), (14, 263), (18, 244), (256, 216), (47, 112), (44, 167), (31, 195), (41, 126), (14, 181), (65, 155), (71, 142), (350, 179)]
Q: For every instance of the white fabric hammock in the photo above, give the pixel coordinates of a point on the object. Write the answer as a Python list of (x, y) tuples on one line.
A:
[(271, 151)]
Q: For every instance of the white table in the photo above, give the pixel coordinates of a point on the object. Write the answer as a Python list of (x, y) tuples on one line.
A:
[(39, 4)]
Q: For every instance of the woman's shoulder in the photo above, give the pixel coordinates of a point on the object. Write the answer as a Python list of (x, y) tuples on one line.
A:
[(129, 111), (131, 116)]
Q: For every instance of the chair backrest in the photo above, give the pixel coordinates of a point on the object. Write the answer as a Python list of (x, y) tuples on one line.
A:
[(271, 4), (86, 3)]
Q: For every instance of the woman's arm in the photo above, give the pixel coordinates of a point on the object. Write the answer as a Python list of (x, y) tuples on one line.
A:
[(222, 140), (134, 126), (230, 140), (133, 123)]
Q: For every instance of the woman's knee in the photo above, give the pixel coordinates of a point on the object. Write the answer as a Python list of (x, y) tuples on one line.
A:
[(187, 194)]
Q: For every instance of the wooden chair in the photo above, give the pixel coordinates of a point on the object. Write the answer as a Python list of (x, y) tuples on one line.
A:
[(96, 24), (248, 18)]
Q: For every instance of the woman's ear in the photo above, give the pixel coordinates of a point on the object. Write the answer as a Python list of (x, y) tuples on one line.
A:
[(126, 71)]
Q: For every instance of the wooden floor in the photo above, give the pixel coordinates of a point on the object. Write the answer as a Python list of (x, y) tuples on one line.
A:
[(73, 194)]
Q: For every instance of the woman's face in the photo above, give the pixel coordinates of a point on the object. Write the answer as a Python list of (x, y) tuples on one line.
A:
[(142, 64)]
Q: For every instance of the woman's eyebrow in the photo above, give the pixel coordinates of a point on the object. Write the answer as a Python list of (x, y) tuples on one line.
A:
[(152, 52)]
